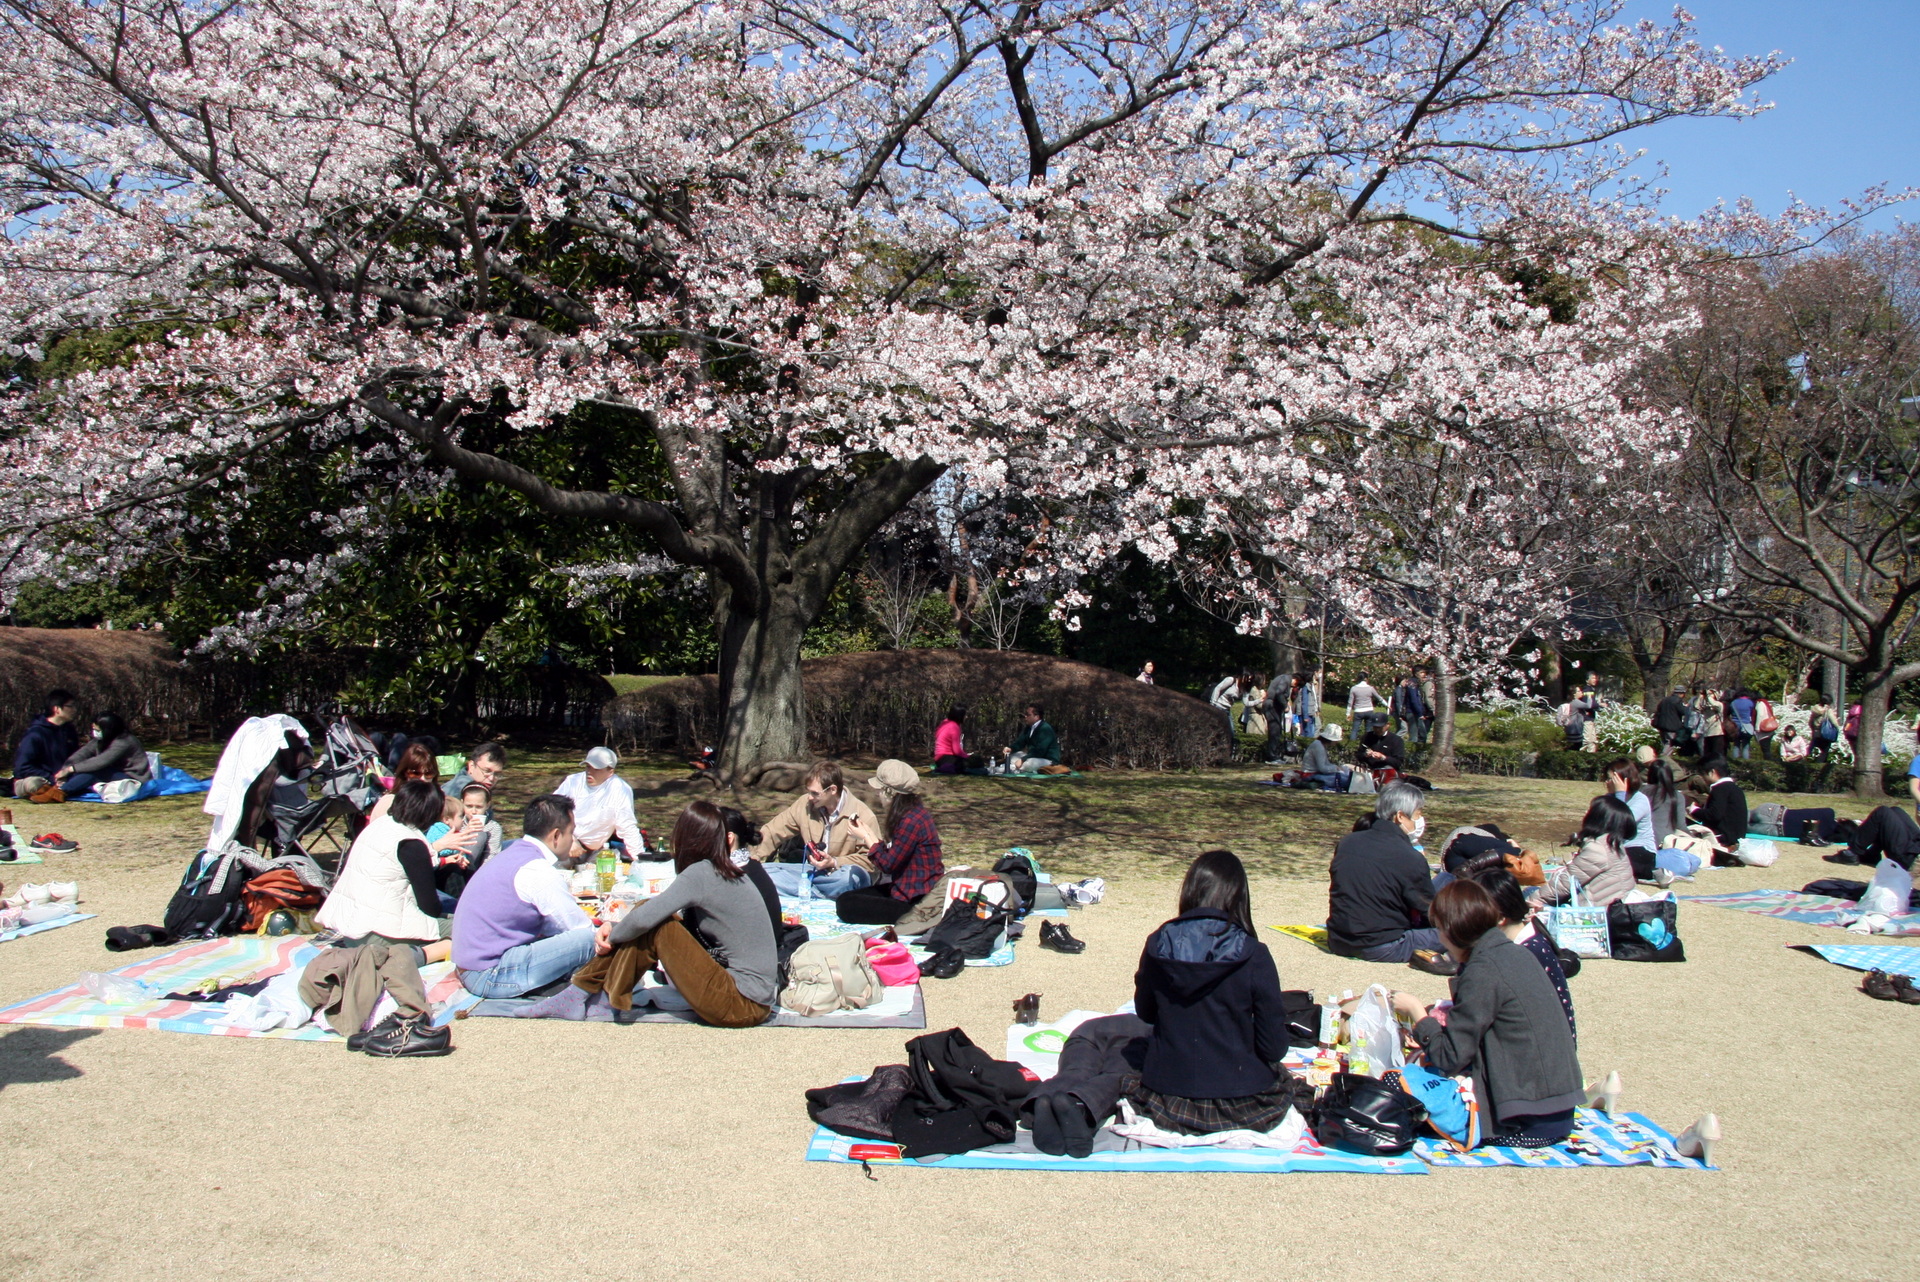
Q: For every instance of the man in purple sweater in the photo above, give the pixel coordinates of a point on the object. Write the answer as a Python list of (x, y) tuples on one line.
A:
[(517, 926)]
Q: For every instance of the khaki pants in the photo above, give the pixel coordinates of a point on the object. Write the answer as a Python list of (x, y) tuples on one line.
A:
[(701, 980)]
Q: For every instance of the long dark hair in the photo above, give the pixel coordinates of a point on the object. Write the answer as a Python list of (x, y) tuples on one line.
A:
[(1659, 781), (1611, 818), (746, 833), (110, 725), (1218, 880), (1494, 877), (902, 805), (700, 833)]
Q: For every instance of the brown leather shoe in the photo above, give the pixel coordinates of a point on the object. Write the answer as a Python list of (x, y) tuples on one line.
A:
[(1433, 963), (1879, 986), (1903, 989)]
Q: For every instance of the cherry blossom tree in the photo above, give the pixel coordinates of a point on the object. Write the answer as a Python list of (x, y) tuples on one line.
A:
[(1143, 253)]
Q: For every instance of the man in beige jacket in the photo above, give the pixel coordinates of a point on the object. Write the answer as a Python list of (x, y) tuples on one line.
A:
[(835, 861)]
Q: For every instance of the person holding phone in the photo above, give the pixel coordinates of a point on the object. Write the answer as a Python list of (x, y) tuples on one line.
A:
[(820, 829)]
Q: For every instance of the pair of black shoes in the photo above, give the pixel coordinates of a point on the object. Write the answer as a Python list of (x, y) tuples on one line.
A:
[(402, 1036), (1055, 935), (1062, 1126), (8, 853), (944, 964)]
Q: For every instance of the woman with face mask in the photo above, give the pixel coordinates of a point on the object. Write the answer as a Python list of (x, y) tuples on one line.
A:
[(1377, 904), (109, 755)]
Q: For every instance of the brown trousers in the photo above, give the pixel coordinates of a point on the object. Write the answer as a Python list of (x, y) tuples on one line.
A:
[(703, 981)]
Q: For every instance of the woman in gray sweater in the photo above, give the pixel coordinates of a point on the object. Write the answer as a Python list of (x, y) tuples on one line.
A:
[(1507, 1027), (113, 753), (709, 930)]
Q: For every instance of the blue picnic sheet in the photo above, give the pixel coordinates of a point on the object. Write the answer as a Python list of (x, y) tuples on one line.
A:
[(827, 1146), (1895, 959), (169, 781), (1622, 1139), (55, 924)]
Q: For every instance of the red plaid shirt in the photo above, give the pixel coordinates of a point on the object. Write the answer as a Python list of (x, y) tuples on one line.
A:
[(912, 856)]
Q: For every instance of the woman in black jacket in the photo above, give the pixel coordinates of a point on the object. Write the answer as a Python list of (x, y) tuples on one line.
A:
[(1507, 1026), (1207, 1037)]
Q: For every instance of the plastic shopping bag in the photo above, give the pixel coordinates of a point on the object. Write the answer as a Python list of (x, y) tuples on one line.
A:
[(1890, 890), (1757, 852), (1374, 1033)]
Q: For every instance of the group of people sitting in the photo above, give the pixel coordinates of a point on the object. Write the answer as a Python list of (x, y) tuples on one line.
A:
[(51, 762), (1036, 748), (1381, 752), (1382, 887), (511, 924)]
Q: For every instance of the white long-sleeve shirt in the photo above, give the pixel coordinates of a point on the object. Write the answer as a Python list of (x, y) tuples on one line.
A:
[(540, 882), (601, 813), (1361, 698)]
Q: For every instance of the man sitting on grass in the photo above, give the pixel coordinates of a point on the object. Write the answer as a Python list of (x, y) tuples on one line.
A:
[(833, 859), (45, 745), (1381, 888), (1034, 749), (602, 807), (485, 765), (518, 926)]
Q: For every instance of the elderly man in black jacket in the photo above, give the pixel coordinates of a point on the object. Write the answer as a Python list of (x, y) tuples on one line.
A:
[(1377, 903)]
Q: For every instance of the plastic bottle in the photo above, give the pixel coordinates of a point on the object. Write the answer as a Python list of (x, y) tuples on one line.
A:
[(605, 868)]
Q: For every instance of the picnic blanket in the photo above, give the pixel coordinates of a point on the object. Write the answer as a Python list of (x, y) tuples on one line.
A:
[(1895, 959), (168, 781), (1315, 935), (902, 1007), (1811, 910), (242, 959), (37, 927), (1111, 1153), (1622, 1139)]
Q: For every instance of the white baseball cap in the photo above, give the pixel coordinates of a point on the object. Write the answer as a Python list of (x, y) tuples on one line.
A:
[(601, 759)]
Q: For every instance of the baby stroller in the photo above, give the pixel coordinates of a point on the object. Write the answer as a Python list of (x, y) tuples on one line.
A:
[(323, 827)]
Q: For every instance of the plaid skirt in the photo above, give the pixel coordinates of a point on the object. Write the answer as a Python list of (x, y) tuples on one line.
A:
[(1185, 1116)]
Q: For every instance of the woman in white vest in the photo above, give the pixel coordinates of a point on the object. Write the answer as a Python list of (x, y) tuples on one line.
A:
[(385, 886)]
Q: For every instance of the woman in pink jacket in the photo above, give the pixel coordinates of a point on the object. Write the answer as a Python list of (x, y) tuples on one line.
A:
[(949, 743)]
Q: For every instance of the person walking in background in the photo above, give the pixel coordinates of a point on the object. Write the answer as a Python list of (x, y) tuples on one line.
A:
[(1670, 719), (1590, 721), (1823, 729), (1713, 723), (1362, 701), (1740, 718), (1410, 706), (1306, 707), (1852, 730), (1766, 723)]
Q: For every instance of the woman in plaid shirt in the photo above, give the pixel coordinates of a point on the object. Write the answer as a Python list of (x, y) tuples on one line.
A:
[(909, 858)]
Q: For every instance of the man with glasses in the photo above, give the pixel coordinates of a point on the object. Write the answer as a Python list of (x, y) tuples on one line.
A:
[(832, 860)]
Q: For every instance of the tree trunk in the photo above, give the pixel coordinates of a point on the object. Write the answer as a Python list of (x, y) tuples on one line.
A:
[(1440, 755), (1875, 699), (763, 711)]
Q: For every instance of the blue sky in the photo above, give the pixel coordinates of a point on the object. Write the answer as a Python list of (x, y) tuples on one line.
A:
[(1846, 113)]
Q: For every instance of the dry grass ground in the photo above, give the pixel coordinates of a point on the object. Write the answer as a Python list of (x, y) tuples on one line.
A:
[(544, 1150)]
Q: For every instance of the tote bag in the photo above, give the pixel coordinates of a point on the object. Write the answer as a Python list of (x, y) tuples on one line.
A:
[(1579, 928)]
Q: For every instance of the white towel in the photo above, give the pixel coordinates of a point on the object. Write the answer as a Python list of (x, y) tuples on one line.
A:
[(248, 753)]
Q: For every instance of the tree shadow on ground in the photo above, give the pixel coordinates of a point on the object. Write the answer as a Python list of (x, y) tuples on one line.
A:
[(33, 1055)]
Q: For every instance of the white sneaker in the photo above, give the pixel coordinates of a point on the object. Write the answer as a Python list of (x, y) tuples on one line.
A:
[(65, 892), (34, 893), (1090, 891)]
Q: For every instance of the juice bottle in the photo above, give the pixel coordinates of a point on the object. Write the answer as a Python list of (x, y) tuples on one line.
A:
[(605, 867)]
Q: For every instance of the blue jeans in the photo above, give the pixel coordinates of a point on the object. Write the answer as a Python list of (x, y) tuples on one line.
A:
[(81, 782), (1334, 780), (1680, 863), (525, 967), (1306, 727), (786, 879), (1402, 949)]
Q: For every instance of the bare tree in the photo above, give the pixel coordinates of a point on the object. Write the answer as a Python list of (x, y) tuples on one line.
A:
[(1801, 382)]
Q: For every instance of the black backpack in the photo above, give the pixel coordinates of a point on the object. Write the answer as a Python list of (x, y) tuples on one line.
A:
[(208, 904), (960, 1099), (1365, 1115), (1016, 868), (973, 925)]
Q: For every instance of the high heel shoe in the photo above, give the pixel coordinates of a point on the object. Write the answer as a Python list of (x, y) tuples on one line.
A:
[(1605, 1096), (1698, 1140)]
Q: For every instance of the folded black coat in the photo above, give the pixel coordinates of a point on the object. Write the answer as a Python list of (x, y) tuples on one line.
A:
[(961, 1097)]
